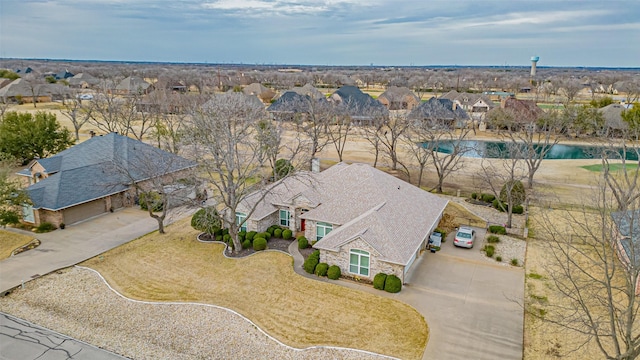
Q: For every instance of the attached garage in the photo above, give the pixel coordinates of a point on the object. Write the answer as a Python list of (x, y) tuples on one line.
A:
[(84, 211)]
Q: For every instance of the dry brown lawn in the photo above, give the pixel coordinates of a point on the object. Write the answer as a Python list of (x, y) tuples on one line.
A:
[(300, 312), (10, 241), (461, 216)]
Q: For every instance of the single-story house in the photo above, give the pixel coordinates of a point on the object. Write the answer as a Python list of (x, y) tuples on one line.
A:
[(133, 85), (476, 105), (613, 122), (25, 91), (627, 241), (94, 177), (399, 98), (360, 218), (360, 107), (440, 112), (83, 80), (263, 93)]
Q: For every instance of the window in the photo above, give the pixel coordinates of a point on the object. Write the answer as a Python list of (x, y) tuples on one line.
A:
[(240, 221), (322, 230), (359, 262), (284, 217)]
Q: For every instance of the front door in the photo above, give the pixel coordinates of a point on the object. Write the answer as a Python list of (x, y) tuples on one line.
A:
[(302, 224)]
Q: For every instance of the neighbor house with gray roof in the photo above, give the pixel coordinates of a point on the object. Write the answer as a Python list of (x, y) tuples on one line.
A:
[(94, 177), (442, 112), (359, 106), (133, 85), (399, 98), (361, 219), (627, 240)]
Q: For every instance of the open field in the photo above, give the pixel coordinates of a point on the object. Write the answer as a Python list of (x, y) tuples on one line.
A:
[(10, 241), (264, 288)]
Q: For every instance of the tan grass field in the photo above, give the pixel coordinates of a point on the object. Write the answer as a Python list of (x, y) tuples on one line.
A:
[(10, 241), (298, 311)]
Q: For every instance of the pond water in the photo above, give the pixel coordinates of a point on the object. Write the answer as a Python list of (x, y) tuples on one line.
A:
[(501, 150)]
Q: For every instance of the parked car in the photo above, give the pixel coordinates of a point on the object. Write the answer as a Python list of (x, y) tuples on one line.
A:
[(465, 237), (85, 97)]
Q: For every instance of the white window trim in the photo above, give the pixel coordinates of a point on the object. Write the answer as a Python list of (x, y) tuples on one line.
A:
[(286, 218), (360, 254), (239, 218), (325, 226)]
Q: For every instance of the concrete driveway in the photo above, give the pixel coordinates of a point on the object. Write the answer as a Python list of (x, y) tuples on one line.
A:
[(79, 242), (22, 340), (471, 305)]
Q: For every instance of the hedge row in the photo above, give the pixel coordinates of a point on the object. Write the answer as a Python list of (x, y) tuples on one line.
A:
[(388, 283)]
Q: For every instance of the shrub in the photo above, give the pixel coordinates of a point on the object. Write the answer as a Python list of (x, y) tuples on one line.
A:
[(499, 258), (218, 237), (334, 272), (310, 264), (489, 250), (315, 254), (251, 235), (488, 198), (287, 234), (246, 244), (219, 232), (321, 269), (498, 205), (277, 233), (379, 280), (474, 196), (259, 244), (225, 231), (514, 262), (151, 200), (266, 235), (392, 284), (497, 229), (302, 242), (241, 237), (226, 238), (45, 227), (492, 239), (206, 220), (282, 168), (518, 209), (518, 193), (270, 232)]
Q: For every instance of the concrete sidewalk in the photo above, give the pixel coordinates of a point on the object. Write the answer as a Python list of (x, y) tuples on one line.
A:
[(77, 243)]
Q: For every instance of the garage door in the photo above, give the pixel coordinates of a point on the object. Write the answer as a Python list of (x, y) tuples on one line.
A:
[(84, 211)]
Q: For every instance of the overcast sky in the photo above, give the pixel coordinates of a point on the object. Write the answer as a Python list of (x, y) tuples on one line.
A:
[(326, 32)]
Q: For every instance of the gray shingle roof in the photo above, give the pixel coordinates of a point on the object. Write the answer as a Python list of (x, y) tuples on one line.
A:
[(628, 223), (612, 115), (133, 84), (389, 214), (357, 103), (438, 109), (99, 167)]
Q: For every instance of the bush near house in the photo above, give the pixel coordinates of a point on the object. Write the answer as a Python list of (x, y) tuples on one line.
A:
[(152, 199), (250, 235), (497, 229), (310, 264), (392, 284), (277, 233), (489, 250), (266, 235), (287, 234), (492, 239), (487, 198), (303, 243), (206, 220), (259, 244), (321, 269), (246, 244), (45, 227), (226, 238), (379, 280), (334, 272)]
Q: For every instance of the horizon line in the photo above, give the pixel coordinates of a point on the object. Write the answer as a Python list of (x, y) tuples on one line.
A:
[(371, 65)]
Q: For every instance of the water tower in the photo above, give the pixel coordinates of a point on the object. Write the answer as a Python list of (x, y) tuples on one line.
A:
[(534, 61)]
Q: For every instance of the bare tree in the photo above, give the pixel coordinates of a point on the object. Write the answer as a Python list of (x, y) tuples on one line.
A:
[(624, 185), (389, 133), (501, 175), (570, 89), (594, 271), (78, 112), (339, 131), (222, 136)]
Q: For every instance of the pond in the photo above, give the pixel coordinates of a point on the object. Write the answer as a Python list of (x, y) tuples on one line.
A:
[(501, 150)]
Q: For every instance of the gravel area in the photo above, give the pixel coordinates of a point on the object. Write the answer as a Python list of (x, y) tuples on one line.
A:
[(77, 303)]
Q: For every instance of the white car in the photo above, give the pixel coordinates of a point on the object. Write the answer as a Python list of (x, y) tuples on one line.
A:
[(85, 97), (465, 237)]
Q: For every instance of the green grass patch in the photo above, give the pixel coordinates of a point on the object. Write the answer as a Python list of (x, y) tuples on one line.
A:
[(612, 167), (536, 276)]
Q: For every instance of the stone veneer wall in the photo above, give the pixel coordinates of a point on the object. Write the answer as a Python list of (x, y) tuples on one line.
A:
[(341, 258), (54, 217)]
